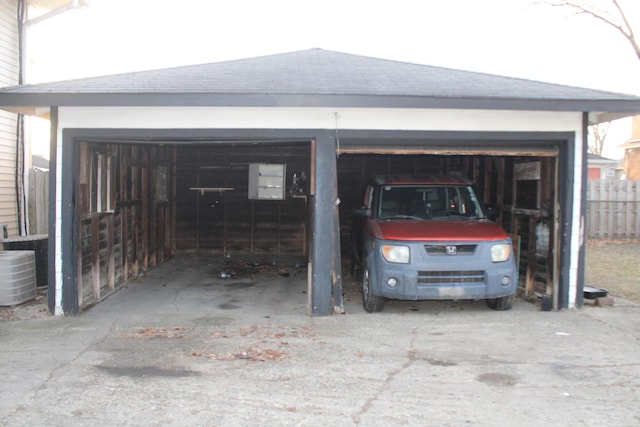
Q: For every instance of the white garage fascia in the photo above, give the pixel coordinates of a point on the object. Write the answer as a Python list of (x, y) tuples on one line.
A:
[(316, 118), (326, 118)]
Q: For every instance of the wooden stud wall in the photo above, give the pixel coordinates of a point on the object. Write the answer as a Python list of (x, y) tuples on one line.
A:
[(123, 229), (227, 221), (536, 262)]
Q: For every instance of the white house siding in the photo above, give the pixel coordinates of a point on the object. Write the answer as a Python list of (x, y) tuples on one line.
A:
[(325, 118), (9, 69)]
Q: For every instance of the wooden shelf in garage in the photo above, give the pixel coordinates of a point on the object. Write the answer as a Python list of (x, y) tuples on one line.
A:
[(203, 190)]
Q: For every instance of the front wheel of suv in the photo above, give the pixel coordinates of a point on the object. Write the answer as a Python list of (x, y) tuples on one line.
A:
[(370, 302), (500, 304)]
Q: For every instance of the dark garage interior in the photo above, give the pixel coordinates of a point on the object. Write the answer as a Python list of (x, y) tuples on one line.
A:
[(147, 201)]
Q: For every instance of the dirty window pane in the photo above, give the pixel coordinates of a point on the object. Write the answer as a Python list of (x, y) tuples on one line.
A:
[(161, 184), (100, 181)]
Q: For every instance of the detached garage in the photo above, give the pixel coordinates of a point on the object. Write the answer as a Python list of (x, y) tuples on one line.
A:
[(267, 156)]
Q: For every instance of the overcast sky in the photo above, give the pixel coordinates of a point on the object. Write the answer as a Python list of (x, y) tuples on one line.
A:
[(507, 37)]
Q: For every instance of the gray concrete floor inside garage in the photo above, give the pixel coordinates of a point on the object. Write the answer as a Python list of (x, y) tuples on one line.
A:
[(181, 346), (215, 286)]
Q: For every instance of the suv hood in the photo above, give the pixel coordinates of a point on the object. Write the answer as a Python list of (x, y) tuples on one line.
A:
[(427, 230)]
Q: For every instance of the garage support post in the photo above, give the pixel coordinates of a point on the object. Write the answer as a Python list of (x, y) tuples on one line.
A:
[(51, 241), (567, 191), (62, 289), (583, 212), (322, 247), (68, 227)]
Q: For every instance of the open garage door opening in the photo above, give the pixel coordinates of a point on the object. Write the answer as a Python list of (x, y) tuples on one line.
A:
[(243, 205), (521, 184), (139, 202)]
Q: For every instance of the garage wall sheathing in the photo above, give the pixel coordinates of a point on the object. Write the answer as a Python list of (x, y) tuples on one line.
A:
[(126, 211), (221, 219)]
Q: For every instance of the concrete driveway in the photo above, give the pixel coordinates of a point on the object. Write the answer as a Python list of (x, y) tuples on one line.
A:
[(183, 347)]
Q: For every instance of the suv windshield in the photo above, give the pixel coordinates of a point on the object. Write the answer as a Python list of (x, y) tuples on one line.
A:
[(427, 202)]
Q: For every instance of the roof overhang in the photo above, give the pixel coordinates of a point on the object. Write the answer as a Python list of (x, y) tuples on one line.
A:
[(630, 144), (39, 104), (47, 4), (602, 162)]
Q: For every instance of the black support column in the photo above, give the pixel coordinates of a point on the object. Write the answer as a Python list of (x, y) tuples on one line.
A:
[(322, 247), (53, 171), (68, 225)]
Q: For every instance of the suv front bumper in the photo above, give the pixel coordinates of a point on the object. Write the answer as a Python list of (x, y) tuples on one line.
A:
[(444, 277)]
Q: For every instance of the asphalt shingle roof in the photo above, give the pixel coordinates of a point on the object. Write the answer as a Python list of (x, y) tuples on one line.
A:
[(318, 71), (318, 77)]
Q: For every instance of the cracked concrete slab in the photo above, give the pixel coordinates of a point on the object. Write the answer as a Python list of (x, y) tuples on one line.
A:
[(183, 347)]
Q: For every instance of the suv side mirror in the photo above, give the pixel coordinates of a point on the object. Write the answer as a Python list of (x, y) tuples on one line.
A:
[(491, 211)]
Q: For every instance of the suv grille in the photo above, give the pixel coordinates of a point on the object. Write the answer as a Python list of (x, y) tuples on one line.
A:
[(437, 250), (468, 276)]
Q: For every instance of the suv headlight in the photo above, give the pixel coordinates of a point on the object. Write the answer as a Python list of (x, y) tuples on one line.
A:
[(398, 254), (501, 252)]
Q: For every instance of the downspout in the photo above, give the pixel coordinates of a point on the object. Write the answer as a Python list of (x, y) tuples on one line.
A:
[(20, 157)]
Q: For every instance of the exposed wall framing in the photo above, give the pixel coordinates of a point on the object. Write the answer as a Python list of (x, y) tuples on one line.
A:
[(124, 228), (534, 224), (214, 213)]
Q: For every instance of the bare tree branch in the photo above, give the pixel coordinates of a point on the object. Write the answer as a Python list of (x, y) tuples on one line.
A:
[(617, 20), (622, 26), (629, 33), (598, 136)]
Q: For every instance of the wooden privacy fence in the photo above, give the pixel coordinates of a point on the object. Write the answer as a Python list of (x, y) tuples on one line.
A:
[(38, 202), (613, 209)]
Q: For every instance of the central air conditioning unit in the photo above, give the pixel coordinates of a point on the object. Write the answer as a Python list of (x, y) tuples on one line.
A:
[(17, 277)]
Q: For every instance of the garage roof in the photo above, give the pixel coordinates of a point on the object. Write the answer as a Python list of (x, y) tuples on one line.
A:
[(316, 77)]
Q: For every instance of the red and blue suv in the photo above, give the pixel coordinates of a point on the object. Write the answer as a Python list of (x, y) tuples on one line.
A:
[(429, 238)]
